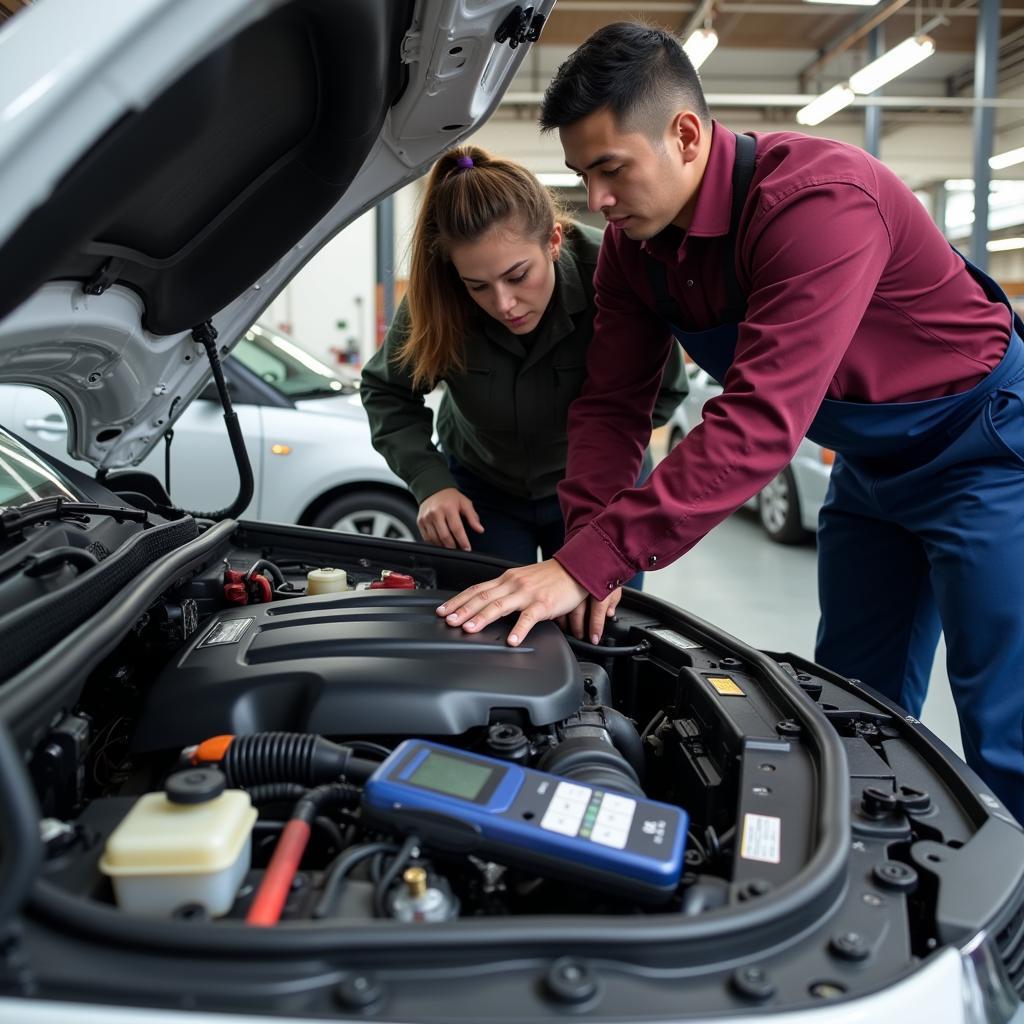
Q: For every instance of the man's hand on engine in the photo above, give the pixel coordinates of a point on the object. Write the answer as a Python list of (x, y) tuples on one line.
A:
[(538, 592)]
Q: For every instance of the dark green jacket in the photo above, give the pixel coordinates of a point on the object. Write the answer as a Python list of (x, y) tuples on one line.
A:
[(504, 418)]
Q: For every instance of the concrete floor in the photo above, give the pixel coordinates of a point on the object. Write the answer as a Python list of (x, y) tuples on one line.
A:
[(767, 595)]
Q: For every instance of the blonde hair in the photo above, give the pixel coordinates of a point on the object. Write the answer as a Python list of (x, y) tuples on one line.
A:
[(468, 192)]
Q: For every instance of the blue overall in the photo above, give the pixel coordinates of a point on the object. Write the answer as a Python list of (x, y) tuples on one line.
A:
[(922, 531)]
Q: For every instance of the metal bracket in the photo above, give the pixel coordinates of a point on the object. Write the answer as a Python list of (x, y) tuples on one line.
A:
[(411, 47), (521, 26)]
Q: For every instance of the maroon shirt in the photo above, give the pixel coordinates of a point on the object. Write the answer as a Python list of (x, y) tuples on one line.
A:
[(852, 294)]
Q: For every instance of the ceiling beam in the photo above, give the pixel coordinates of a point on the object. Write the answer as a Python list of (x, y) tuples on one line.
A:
[(625, 10), (796, 100), (752, 7), (698, 19), (850, 38)]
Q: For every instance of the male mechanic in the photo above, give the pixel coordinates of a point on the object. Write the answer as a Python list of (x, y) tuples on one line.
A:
[(804, 275)]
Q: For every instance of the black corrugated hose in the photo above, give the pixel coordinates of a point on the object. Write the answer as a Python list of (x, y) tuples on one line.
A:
[(291, 757)]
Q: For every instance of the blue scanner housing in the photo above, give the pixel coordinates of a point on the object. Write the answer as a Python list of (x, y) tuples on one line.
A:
[(553, 825)]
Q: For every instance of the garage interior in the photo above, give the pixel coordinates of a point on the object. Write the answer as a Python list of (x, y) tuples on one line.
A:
[(936, 125)]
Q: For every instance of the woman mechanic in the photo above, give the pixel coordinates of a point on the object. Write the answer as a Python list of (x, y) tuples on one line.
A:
[(500, 307)]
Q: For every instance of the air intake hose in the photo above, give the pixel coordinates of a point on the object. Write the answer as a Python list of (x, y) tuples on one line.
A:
[(599, 747)]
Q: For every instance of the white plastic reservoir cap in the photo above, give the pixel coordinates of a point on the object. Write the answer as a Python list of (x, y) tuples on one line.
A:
[(326, 581)]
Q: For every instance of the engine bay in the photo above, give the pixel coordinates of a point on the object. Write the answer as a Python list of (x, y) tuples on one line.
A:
[(268, 733), (240, 660), (358, 670)]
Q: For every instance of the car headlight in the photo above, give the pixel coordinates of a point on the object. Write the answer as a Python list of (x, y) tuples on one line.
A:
[(989, 996)]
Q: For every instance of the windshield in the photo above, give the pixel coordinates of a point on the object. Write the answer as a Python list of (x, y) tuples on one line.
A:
[(25, 477), (281, 363)]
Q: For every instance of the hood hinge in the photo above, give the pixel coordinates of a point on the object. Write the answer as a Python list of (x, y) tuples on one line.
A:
[(521, 26)]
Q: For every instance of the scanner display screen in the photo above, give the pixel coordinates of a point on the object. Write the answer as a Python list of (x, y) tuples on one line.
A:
[(452, 776)]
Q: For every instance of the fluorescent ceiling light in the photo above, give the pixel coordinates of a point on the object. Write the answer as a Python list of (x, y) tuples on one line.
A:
[(897, 60), (1007, 159), (997, 186), (700, 45), (559, 179), (1005, 244), (825, 105)]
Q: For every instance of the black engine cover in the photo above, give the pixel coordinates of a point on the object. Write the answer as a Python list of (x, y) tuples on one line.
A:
[(359, 663)]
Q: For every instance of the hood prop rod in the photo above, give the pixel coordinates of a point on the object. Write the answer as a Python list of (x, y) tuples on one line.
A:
[(206, 335)]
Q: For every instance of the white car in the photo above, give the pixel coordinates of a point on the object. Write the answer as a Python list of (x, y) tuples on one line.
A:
[(788, 506), (304, 427), (218, 802)]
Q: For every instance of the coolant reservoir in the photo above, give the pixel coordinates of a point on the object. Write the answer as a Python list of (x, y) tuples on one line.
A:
[(326, 581), (189, 844)]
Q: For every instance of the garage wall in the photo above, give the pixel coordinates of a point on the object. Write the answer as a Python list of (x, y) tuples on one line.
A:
[(339, 287), (329, 305)]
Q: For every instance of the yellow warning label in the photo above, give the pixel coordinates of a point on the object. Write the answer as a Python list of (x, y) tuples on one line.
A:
[(726, 686)]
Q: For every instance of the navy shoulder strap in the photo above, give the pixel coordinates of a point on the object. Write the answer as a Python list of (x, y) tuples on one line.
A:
[(735, 300)]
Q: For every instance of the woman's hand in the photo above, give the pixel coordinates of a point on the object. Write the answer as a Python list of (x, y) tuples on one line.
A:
[(440, 519), (537, 592)]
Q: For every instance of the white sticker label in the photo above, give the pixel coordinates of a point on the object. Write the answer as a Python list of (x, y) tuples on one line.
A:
[(676, 639), (229, 632), (762, 838)]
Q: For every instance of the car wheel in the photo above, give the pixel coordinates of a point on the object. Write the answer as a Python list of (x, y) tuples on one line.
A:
[(370, 513), (779, 508)]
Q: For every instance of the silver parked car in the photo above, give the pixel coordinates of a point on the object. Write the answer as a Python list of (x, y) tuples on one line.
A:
[(788, 506), (304, 427)]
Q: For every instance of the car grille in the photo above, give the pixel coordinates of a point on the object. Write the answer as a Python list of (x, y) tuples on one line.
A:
[(1010, 943)]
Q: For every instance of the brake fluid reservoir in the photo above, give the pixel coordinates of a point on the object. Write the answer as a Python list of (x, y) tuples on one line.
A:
[(326, 581), (189, 844)]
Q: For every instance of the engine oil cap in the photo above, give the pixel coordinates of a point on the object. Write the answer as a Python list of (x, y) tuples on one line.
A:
[(195, 785)]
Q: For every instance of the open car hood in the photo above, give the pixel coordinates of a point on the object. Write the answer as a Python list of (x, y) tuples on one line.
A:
[(176, 162)]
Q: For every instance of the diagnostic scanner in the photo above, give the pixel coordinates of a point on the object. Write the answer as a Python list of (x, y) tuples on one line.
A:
[(473, 804)]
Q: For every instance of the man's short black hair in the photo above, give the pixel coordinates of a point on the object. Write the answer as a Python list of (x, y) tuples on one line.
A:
[(639, 72)]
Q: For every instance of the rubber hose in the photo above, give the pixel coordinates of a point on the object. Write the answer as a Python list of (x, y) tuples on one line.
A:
[(40, 564), (626, 739), (270, 757), (276, 792), (20, 847)]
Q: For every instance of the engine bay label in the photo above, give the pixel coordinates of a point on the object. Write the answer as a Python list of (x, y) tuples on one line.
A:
[(725, 685), (762, 838), (676, 639), (229, 632)]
